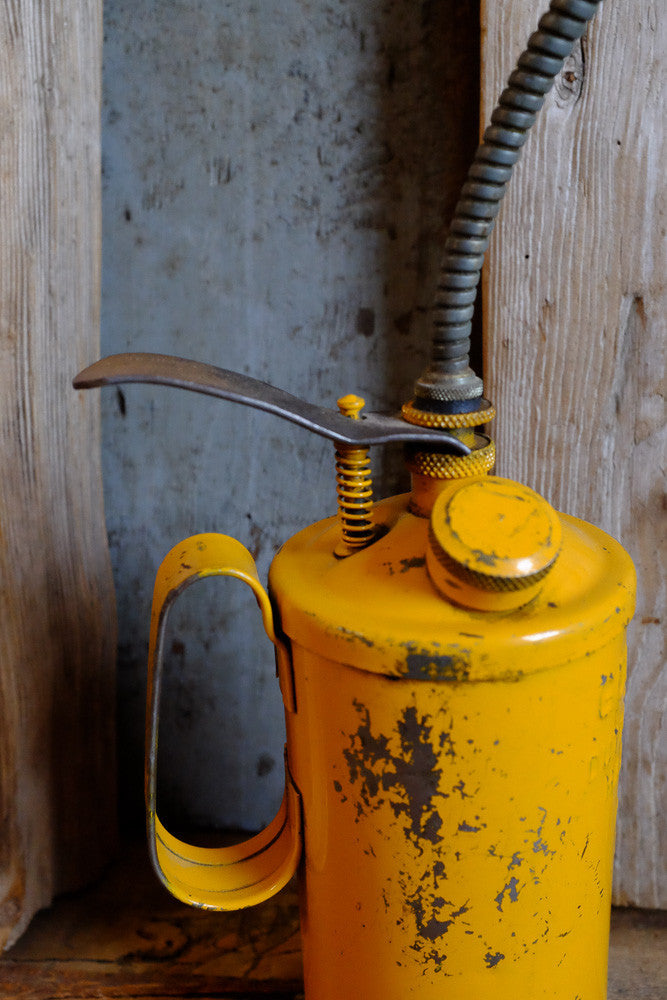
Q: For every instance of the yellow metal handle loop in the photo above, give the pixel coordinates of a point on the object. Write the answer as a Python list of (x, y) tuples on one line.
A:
[(221, 878)]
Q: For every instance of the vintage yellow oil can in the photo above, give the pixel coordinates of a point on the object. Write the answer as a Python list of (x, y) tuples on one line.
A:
[(451, 771), (452, 664)]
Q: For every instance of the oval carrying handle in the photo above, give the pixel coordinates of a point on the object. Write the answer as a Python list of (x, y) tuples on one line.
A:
[(219, 878)]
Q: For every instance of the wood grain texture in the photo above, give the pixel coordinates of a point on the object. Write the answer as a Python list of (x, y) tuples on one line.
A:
[(128, 938), (574, 342), (67, 984), (56, 624)]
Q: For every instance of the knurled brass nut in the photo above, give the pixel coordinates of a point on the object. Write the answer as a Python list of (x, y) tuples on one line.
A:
[(439, 466)]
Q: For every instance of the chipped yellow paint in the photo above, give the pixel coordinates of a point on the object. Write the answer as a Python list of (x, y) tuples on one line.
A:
[(457, 769), (379, 610), (491, 543), (456, 843)]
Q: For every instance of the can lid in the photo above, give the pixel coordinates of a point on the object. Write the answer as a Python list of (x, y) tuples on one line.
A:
[(379, 610), (491, 543)]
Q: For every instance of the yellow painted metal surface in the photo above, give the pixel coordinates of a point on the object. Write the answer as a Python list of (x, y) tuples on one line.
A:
[(491, 543), (225, 878), (354, 486), (378, 609), (458, 836), (457, 768)]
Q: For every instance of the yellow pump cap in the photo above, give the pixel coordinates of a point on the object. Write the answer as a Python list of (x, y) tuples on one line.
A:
[(491, 543)]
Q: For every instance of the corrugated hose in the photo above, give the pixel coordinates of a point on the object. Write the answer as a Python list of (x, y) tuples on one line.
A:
[(449, 384)]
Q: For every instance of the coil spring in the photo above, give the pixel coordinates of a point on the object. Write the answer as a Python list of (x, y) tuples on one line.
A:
[(485, 185), (354, 486), (355, 496)]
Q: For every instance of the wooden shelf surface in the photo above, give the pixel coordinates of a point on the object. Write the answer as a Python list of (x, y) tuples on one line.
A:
[(128, 938)]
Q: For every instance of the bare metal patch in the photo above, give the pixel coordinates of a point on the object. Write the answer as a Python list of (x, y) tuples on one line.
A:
[(434, 667), (407, 781)]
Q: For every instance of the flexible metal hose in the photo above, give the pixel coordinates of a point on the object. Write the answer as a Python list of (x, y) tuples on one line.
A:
[(449, 384)]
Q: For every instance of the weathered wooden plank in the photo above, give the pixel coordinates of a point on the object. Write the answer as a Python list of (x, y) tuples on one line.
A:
[(56, 601), (62, 983), (574, 335), (128, 938)]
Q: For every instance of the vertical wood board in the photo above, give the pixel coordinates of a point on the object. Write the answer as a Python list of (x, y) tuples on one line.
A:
[(278, 178), (574, 317), (57, 633)]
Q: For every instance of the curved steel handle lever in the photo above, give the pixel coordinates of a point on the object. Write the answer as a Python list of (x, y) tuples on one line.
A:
[(163, 369)]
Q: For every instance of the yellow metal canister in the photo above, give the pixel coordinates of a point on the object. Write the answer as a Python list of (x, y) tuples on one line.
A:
[(458, 768), (452, 666), (453, 697)]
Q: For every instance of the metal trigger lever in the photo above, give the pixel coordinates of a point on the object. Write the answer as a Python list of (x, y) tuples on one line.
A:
[(164, 369)]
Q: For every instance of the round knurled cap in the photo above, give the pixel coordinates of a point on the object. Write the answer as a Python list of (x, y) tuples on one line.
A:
[(491, 543)]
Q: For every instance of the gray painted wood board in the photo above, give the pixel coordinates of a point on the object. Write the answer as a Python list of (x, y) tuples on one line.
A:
[(57, 637), (574, 343)]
